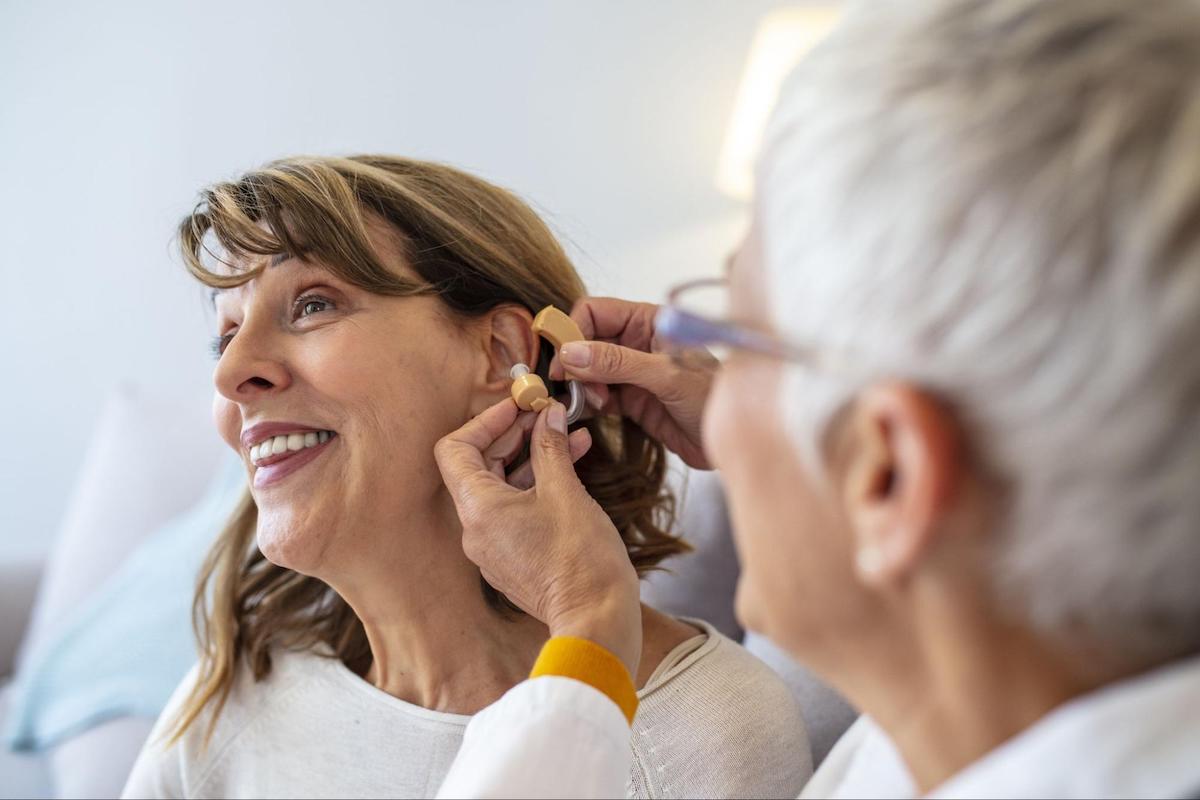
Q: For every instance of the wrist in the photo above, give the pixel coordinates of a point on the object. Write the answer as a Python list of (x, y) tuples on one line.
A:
[(613, 621)]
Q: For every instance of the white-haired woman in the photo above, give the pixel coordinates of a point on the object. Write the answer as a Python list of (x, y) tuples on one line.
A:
[(958, 425)]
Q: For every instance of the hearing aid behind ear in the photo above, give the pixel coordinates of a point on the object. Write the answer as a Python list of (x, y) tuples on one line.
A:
[(528, 389)]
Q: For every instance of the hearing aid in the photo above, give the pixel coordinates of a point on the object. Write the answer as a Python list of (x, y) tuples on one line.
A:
[(528, 389)]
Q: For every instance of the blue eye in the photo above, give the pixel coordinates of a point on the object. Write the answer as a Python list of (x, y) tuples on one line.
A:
[(310, 304), (305, 306)]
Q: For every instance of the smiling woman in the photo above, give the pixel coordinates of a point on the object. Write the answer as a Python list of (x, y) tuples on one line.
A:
[(366, 307)]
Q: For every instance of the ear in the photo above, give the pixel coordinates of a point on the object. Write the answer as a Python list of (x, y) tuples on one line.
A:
[(901, 464), (508, 339)]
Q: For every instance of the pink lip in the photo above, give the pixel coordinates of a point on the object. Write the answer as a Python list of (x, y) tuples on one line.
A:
[(286, 463)]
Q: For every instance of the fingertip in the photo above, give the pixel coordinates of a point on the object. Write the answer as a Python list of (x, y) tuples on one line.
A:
[(539, 419), (579, 442), (505, 408), (544, 431), (556, 417), (576, 354)]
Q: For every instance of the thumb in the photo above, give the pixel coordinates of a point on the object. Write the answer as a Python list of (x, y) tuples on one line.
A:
[(604, 363), (550, 451)]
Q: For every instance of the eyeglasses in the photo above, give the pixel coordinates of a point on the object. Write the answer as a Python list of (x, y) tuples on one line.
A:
[(694, 322)]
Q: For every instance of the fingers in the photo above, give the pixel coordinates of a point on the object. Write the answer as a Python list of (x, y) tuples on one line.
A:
[(611, 319), (509, 444), (485, 427), (460, 454), (579, 442), (550, 454), (604, 363)]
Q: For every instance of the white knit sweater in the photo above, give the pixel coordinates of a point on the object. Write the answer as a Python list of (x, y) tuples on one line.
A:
[(713, 722)]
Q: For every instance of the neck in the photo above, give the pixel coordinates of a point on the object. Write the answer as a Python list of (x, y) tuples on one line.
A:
[(957, 685), (434, 640)]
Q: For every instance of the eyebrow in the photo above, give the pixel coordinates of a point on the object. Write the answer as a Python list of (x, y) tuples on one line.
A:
[(275, 261)]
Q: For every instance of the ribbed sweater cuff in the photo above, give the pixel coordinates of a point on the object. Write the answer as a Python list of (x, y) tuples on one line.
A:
[(588, 662)]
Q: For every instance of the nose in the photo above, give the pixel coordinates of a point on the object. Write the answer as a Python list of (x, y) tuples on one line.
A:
[(253, 365)]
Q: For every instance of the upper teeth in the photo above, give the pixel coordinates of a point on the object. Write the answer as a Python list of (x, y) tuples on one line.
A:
[(288, 441)]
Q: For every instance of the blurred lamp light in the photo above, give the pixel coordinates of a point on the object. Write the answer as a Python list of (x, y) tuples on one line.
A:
[(782, 39)]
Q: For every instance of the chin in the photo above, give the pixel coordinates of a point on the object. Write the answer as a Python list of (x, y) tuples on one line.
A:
[(746, 607), (287, 546), (767, 618)]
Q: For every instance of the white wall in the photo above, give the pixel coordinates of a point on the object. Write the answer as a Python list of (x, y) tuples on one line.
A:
[(607, 115)]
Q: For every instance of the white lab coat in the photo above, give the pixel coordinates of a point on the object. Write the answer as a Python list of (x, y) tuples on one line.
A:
[(556, 737), (546, 737)]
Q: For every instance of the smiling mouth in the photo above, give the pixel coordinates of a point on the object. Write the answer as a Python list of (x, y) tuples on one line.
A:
[(270, 467), (279, 448)]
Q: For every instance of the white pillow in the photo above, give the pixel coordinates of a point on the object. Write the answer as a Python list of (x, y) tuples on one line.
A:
[(151, 457)]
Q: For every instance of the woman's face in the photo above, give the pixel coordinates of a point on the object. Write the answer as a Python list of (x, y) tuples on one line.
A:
[(794, 544), (362, 386)]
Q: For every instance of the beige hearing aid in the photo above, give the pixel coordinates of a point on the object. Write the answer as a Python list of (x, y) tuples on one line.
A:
[(528, 389), (556, 326)]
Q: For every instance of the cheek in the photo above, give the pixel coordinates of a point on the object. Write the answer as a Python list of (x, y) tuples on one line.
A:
[(395, 394), (228, 421), (741, 426), (780, 518), (743, 441)]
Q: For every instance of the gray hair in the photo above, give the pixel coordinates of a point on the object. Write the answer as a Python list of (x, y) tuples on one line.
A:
[(1001, 202)]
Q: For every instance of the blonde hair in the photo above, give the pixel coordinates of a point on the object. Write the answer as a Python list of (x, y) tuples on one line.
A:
[(474, 246)]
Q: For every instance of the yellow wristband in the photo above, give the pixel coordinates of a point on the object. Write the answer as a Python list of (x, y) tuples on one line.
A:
[(588, 662)]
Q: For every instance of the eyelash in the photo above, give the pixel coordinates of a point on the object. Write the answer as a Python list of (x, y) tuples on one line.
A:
[(218, 344)]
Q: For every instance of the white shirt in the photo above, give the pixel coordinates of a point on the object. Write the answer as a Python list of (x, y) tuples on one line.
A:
[(863, 763), (713, 721), (1136, 738)]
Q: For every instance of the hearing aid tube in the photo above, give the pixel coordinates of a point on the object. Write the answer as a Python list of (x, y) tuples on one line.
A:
[(575, 409), (558, 328)]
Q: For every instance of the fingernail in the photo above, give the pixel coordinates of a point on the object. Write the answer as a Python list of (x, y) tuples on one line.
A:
[(593, 397), (576, 354), (556, 417)]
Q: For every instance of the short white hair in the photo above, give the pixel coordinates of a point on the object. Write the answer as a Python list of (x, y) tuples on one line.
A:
[(1001, 202)]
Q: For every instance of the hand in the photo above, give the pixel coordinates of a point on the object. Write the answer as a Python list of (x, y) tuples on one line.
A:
[(624, 373), (549, 548)]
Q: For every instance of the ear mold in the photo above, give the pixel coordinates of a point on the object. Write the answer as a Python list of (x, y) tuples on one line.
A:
[(528, 389)]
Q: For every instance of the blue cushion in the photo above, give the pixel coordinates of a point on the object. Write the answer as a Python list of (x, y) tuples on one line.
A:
[(124, 651)]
